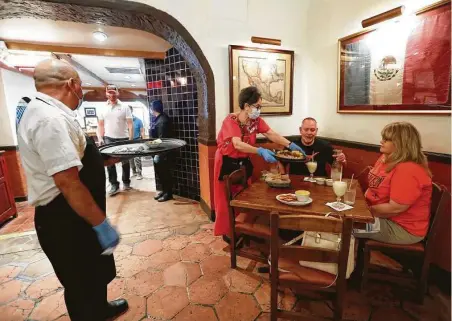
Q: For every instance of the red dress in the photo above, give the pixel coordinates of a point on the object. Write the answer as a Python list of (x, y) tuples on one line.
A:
[(231, 128)]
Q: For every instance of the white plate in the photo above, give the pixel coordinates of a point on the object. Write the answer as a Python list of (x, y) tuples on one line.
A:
[(296, 203)]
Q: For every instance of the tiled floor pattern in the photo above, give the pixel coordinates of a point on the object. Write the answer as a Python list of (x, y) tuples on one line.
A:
[(171, 267)]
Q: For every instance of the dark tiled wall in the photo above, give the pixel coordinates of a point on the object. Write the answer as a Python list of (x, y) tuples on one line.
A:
[(172, 81)]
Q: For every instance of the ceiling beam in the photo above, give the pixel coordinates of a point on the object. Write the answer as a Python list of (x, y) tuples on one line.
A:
[(79, 66), (15, 45)]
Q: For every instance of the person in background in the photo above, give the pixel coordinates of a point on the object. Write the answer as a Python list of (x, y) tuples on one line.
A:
[(400, 187), (322, 150), (66, 184), (235, 142), (115, 124), (138, 133), (161, 127)]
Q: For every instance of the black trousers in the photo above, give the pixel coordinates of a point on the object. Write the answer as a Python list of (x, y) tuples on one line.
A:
[(112, 175), (163, 171), (74, 252)]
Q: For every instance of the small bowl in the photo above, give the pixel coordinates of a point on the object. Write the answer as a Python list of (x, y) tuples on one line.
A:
[(302, 195), (329, 182), (320, 180)]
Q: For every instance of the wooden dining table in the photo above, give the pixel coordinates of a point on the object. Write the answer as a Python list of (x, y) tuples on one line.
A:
[(261, 197)]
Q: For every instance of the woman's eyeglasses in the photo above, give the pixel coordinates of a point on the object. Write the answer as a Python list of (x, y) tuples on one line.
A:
[(258, 107)]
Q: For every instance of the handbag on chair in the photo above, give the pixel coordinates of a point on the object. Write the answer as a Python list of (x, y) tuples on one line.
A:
[(332, 242)]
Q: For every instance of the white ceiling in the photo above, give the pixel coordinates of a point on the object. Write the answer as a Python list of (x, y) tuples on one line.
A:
[(98, 64), (95, 64), (76, 34)]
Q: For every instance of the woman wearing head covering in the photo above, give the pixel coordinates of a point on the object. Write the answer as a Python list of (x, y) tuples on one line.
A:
[(161, 127), (235, 142), (400, 187)]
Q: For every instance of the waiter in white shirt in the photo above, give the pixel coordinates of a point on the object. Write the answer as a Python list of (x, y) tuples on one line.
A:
[(115, 124), (66, 183)]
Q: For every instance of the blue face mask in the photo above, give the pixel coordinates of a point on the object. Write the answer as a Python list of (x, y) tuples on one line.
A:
[(255, 113), (80, 99)]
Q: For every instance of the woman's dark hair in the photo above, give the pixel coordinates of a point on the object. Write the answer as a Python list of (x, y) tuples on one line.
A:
[(249, 95)]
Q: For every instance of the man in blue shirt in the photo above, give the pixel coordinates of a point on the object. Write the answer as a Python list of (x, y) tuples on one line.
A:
[(138, 133)]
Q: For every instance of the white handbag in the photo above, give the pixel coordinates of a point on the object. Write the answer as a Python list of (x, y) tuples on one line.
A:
[(328, 241)]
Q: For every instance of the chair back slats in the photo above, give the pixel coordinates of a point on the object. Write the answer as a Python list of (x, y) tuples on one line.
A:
[(306, 253), (237, 177), (439, 211), (310, 223)]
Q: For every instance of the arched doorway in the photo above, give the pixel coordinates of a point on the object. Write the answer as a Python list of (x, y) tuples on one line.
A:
[(135, 16)]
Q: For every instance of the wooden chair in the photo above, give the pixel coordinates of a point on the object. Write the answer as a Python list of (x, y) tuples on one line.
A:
[(244, 224), (301, 278), (422, 250)]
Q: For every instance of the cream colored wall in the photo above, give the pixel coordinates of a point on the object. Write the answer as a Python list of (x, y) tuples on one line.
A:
[(13, 86), (329, 20), (310, 28)]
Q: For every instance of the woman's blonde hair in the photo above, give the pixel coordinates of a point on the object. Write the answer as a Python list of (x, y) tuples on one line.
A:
[(407, 143)]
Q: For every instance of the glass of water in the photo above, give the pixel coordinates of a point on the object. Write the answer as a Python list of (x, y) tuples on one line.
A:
[(350, 193)]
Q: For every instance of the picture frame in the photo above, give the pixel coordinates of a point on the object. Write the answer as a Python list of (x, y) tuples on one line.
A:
[(91, 122), (403, 68), (270, 70), (90, 112)]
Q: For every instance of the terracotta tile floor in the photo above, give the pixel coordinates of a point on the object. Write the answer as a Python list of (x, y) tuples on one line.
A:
[(171, 267)]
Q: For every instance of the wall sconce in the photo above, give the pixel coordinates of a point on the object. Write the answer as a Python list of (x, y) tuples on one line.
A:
[(393, 13), (267, 41)]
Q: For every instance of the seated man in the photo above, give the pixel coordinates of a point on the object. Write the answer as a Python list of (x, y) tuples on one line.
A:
[(321, 149)]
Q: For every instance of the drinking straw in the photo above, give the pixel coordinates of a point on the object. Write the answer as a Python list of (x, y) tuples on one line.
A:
[(351, 181)]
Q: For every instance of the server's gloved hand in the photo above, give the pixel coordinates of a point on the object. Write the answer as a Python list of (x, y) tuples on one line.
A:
[(107, 235), (267, 155), (156, 158), (294, 146)]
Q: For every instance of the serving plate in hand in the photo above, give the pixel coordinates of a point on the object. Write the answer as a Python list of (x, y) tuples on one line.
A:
[(291, 160), (138, 148)]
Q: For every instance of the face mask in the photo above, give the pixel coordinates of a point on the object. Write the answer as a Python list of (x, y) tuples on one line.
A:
[(255, 113), (80, 100)]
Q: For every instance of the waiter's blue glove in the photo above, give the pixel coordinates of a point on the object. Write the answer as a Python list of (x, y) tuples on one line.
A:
[(267, 155), (107, 235), (294, 146), (156, 158)]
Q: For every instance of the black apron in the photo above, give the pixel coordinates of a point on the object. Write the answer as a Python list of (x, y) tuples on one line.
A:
[(69, 241)]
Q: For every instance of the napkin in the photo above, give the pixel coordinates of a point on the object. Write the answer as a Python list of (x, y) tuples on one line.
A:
[(307, 179), (339, 206)]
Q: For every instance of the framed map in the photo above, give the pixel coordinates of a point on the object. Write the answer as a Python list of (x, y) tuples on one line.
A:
[(270, 70), (402, 67)]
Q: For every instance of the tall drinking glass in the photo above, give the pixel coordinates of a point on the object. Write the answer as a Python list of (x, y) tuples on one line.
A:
[(312, 167), (350, 193), (339, 188)]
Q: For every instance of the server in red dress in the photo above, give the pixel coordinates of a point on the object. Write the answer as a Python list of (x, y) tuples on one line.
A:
[(235, 143)]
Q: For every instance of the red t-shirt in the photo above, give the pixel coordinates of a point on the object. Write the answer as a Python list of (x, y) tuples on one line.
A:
[(408, 184)]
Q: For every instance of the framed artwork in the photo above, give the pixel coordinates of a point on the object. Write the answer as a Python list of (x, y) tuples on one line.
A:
[(401, 67), (270, 70), (91, 122), (90, 112)]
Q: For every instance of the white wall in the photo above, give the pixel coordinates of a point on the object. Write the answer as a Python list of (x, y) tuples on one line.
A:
[(311, 28), (329, 20), (13, 86), (216, 24)]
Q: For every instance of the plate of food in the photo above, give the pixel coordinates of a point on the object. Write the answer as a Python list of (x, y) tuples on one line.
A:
[(289, 156), (277, 180), (153, 143), (291, 199), (141, 148)]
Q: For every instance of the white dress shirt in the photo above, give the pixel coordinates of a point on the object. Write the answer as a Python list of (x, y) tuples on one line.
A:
[(115, 119), (50, 141)]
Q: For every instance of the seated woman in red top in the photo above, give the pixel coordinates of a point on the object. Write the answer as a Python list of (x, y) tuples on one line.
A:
[(400, 187), (235, 144)]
